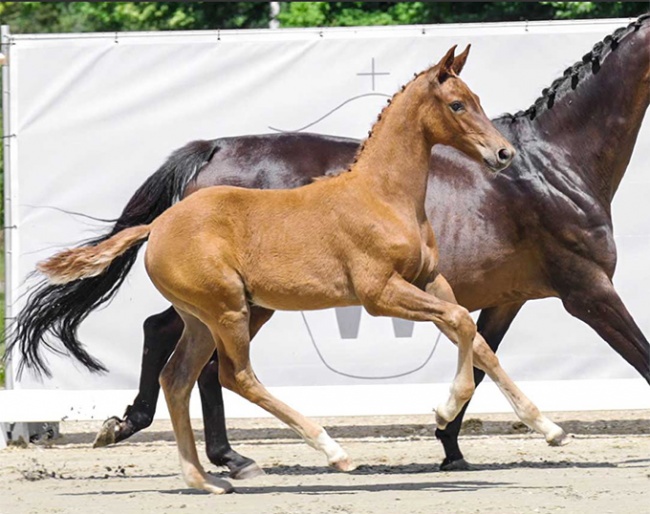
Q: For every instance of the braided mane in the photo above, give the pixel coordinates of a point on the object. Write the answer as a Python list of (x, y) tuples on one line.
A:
[(590, 63)]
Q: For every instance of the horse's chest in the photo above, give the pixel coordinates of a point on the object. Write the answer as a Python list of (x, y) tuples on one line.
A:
[(412, 254)]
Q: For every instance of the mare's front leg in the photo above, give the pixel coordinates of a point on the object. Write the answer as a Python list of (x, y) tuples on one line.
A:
[(492, 324), (161, 333)]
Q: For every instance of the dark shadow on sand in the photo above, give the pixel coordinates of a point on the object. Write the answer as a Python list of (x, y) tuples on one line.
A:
[(456, 486)]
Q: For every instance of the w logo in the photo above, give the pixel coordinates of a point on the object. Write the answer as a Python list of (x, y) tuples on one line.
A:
[(373, 355), (349, 319)]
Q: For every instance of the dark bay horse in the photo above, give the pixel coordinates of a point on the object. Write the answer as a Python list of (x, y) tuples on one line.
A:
[(227, 258), (573, 147)]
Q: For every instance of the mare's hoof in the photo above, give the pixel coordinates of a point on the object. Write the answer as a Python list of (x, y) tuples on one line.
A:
[(250, 471), (456, 465), (106, 434), (560, 438), (344, 465)]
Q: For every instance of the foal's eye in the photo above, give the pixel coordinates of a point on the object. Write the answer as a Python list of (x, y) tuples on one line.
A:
[(457, 106)]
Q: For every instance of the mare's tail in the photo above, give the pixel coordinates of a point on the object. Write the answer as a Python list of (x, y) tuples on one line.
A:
[(55, 310)]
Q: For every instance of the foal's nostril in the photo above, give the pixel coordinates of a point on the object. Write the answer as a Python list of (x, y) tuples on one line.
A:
[(504, 155)]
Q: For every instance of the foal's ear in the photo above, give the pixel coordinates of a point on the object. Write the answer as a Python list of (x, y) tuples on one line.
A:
[(459, 61), (443, 70)]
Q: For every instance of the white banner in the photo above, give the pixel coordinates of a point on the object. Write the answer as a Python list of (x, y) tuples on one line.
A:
[(93, 115)]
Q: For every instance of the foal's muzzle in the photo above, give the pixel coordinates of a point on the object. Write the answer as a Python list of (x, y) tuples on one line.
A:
[(500, 159)]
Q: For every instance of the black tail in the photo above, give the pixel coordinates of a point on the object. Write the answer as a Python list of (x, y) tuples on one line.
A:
[(58, 309)]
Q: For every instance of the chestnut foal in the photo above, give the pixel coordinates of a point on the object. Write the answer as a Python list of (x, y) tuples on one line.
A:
[(227, 257)]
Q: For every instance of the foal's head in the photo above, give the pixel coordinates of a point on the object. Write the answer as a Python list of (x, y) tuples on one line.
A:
[(455, 116)]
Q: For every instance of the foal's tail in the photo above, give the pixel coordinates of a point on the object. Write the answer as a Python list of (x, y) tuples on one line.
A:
[(54, 311), (90, 261)]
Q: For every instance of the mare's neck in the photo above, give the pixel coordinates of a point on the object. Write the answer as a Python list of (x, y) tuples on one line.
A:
[(597, 123), (394, 159)]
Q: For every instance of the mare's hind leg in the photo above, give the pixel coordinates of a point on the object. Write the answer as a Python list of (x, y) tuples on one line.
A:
[(217, 446), (161, 333), (486, 360), (231, 331), (177, 379)]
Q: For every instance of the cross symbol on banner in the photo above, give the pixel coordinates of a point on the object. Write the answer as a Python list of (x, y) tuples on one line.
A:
[(373, 73)]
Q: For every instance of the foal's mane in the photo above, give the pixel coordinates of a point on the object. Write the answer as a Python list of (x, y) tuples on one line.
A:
[(374, 127), (569, 80)]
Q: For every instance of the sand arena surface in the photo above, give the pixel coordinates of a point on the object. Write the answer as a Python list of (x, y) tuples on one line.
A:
[(605, 469)]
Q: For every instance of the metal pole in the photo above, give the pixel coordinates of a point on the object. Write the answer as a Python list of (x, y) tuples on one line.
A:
[(5, 40), (5, 429), (275, 10)]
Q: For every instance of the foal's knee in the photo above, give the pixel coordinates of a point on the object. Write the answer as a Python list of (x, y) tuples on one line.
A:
[(460, 321)]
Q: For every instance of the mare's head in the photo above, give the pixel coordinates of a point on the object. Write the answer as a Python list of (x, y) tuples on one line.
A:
[(455, 116)]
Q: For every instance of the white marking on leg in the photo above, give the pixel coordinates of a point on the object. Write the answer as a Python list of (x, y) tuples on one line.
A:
[(328, 446)]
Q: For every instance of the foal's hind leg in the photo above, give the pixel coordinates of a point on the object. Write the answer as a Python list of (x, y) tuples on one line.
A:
[(231, 331), (217, 446), (177, 379)]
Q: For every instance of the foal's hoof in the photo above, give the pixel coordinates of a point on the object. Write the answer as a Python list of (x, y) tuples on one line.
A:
[(558, 438), (456, 465), (441, 423), (344, 464), (216, 485), (106, 434), (250, 471)]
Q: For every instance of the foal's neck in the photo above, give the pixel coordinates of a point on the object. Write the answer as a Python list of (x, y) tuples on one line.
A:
[(395, 157)]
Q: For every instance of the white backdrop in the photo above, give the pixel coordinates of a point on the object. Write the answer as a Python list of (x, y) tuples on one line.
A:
[(92, 116)]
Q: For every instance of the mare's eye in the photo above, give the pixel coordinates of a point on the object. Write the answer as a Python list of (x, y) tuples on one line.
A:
[(456, 106)]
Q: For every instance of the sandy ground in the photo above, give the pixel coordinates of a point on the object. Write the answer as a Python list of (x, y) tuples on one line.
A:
[(605, 469)]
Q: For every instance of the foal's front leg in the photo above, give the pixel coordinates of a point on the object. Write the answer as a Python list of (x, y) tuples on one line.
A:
[(486, 360), (401, 299), (492, 324)]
